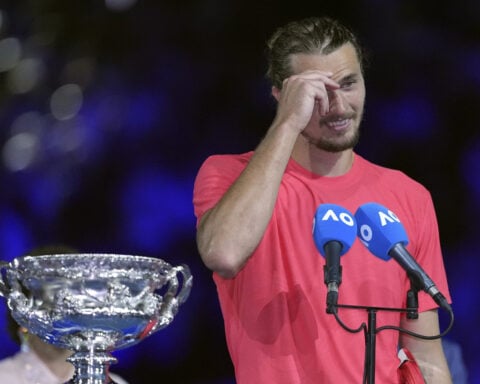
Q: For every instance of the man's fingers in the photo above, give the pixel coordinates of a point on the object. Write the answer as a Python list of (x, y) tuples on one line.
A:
[(316, 76)]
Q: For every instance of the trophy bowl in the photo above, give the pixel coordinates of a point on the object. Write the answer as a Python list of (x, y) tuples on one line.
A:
[(93, 304)]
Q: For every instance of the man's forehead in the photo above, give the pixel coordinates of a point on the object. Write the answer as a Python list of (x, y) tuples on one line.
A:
[(343, 59)]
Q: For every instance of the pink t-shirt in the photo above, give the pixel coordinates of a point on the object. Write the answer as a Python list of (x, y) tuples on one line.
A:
[(277, 329)]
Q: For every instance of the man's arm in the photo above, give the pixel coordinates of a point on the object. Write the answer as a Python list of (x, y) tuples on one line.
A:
[(228, 233), (428, 353)]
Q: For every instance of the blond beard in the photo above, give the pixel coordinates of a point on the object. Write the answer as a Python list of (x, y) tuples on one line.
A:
[(334, 145)]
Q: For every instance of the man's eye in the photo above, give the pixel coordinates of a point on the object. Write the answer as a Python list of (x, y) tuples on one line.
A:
[(348, 84)]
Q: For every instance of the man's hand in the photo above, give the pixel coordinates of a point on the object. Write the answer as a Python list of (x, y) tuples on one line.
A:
[(302, 96)]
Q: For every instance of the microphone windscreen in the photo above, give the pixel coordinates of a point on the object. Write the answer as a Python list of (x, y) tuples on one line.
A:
[(333, 223), (379, 229)]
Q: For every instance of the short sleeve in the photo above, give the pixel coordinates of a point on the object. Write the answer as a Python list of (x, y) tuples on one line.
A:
[(214, 178), (427, 250)]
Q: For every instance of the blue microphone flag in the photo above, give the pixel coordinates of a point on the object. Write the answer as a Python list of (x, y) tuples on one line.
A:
[(379, 229), (383, 234), (333, 223)]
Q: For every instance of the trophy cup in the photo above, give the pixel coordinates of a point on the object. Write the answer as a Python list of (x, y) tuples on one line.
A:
[(93, 304)]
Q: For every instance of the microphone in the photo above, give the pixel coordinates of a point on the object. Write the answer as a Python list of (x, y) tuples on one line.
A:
[(334, 231), (381, 231)]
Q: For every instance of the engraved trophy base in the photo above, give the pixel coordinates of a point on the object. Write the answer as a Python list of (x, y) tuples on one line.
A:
[(93, 304), (91, 367)]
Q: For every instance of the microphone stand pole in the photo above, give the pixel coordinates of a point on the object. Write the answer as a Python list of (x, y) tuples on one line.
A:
[(371, 329), (371, 338)]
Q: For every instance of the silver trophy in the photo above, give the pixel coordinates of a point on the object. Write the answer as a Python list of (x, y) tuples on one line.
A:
[(93, 304)]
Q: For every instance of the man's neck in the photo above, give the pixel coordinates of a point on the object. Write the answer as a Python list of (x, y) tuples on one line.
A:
[(324, 163)]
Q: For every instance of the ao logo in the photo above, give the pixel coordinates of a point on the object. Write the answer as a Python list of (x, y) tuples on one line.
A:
[(366, 232), (343, 216)]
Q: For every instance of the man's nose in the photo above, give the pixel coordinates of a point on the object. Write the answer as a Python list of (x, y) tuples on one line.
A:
[(337, 102)]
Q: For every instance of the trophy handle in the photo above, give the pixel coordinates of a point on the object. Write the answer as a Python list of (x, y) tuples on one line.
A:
[(4, 291), (182, 294), (176, 293), (169, 301)]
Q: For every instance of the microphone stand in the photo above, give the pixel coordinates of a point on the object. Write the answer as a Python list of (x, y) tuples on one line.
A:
[(371, 328), (412, 299)]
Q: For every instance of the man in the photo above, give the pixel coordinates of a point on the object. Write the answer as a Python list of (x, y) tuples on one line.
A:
[(255, 214), (38, 361)]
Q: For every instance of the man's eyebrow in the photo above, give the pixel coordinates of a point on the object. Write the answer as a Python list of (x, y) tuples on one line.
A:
[(348, 78)]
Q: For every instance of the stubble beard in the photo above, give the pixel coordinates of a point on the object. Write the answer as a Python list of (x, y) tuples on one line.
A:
[(335, 144)]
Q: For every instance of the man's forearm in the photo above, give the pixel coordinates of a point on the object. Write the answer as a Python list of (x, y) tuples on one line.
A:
[(428, 354)]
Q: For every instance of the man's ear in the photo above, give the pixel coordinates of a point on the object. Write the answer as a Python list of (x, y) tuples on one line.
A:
[(276, 93)]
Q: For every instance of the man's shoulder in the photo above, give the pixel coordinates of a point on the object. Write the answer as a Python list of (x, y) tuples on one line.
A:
[(229, 158), (225, 164), (388, 174), (219, 171)]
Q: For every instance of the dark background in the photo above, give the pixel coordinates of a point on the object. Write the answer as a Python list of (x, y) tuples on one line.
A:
[(109, 107)]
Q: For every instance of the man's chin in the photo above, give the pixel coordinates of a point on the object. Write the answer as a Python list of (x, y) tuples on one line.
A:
[(339, 144), (335, 146)]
